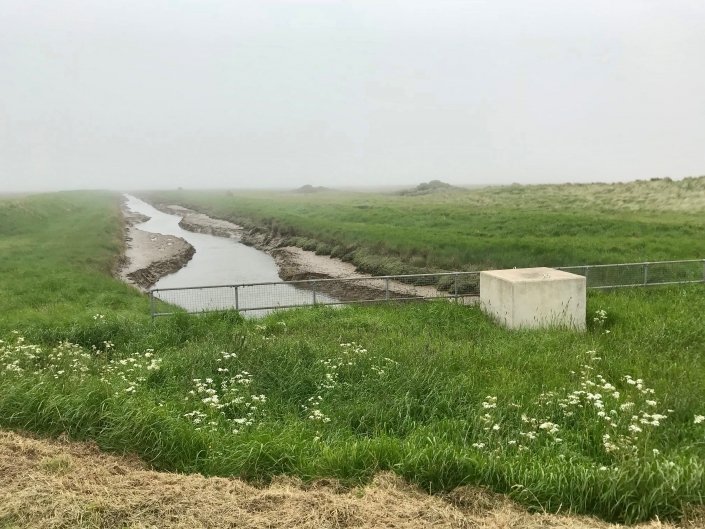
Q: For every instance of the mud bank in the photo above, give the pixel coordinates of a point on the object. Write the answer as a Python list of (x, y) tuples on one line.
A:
[(150, 256), (296, 264), (202, 223)]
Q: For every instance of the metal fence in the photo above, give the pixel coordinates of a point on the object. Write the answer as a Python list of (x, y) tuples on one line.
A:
[(462, 287), (641, 274), (260, 298)]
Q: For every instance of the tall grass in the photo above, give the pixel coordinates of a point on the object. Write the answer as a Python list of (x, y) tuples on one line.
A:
[(411, 395), (433, 391)]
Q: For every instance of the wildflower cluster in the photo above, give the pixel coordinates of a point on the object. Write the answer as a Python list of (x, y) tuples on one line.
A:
[(16, 357), (533, 430), (600, 319), (127, 374), (351, 354), (488, 421), (227, 399), (622, 414), (69, 362)]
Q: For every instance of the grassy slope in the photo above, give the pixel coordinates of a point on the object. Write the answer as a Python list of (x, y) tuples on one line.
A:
[(412, 403), (56, 254), (509, 226)]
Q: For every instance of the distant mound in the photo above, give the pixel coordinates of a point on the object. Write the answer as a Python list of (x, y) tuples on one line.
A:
[(311, 189), (426, 188)]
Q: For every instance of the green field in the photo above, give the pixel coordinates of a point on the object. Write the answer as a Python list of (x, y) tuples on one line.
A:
[(494, 227), (604, 422)]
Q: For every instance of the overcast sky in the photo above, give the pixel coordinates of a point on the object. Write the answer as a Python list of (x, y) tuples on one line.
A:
[(257, 93)]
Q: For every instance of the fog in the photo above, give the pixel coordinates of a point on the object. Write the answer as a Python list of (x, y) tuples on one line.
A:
[(167, 93)]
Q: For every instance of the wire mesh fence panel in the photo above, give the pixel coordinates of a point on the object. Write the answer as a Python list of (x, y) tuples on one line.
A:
[(660, 273), (641, 274), (610, 276), (260, 298), (194, 299), (239, 297)]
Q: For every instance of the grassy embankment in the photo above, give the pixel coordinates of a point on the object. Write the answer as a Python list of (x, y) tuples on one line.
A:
[(434, 392), (56, 255), (496, 227)]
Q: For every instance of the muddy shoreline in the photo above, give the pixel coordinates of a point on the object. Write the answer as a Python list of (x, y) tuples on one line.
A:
[(296, 264), (149, 256)]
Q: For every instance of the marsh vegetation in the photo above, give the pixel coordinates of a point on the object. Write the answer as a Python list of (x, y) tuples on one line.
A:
[(471, 229)]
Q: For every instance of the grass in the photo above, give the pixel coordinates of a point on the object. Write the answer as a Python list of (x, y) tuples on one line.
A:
[(99, 490), (56, 255), (416, 389), (495, 227)]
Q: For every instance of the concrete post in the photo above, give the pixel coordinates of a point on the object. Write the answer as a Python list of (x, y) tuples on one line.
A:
[(534, 298)]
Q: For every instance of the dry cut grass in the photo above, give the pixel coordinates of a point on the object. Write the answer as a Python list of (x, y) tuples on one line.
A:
[(61, 484)]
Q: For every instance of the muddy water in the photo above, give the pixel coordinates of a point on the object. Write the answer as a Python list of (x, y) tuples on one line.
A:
[(219, 261)]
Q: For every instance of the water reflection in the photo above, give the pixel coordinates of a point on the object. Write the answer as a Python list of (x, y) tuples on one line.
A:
[(220, 261)]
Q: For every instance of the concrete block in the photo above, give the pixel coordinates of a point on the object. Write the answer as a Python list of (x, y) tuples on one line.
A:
[(534, 298)]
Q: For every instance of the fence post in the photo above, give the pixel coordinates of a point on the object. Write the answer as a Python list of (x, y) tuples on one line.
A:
[(455, 287), (237, 300), (646, 273), (587, 270), (314, 292), (151, 303), (386, 288)]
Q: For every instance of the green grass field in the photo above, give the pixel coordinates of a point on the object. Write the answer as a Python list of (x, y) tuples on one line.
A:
[(494, 227), (605, 422)]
